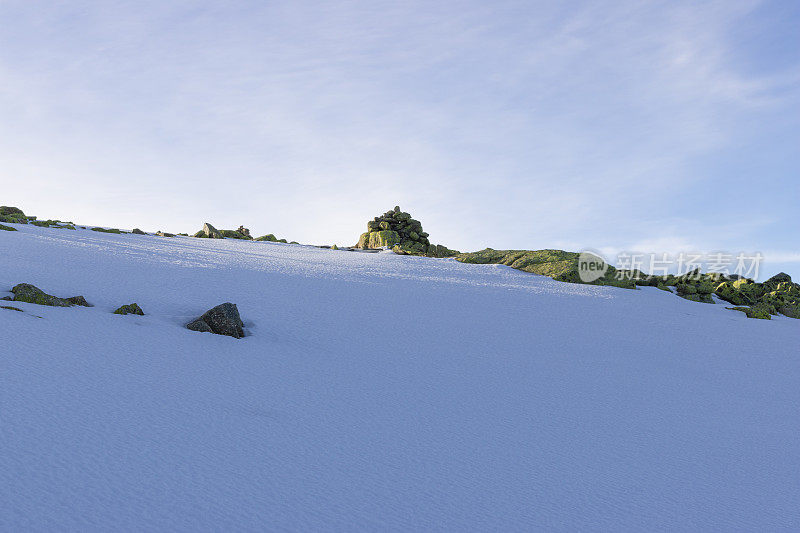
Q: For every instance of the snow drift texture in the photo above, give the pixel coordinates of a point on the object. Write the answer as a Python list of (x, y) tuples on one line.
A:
[(380, 392)]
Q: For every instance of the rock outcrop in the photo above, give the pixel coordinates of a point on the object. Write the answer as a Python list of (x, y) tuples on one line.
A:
[(271, 238), (13, 215), (244, 231), (223, 319), (556, 264), (231, 234), (137, 231), (7, 228), (397, 230), (25, 292), (209, 232), (130, 309)]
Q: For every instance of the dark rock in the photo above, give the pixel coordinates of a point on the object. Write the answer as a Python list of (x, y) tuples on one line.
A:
[(79, 300), (137, 231), (107, 230), (244, 231), (130, 309), (223, 319), (7, 228), (10, 308), (164, 234)]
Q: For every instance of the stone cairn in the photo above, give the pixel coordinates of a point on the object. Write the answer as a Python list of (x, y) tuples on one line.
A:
[(397, 230)]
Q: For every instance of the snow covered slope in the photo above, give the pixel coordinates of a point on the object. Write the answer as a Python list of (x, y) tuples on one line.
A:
[(380, 392)]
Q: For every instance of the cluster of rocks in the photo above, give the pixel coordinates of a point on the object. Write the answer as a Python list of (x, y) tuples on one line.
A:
[(25, 292), (397, 230), (210, 232), (223, 319), (776, 296), (15, 215)]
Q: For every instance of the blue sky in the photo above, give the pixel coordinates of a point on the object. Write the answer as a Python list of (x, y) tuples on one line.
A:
[(639, 126)]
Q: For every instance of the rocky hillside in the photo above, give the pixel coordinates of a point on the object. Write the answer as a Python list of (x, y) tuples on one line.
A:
[(777, 295)]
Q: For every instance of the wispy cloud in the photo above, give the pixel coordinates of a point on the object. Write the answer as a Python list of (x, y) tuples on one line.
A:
[(505, 124)]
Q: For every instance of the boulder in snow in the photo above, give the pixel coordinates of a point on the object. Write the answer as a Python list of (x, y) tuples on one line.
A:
[(130, 309), (25, 292), (223, 319)]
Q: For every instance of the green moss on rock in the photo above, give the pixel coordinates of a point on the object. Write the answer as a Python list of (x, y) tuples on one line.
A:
[(401, 233), (25, 292), (756, 311), (129, 309), (107, 230), (7, 228), (232, 234)]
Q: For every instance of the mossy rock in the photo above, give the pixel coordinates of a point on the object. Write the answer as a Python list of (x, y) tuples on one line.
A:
[(556, 264), (397, 230), (727, 291), (438, 250), (334, 247), (791, 310), (13, 219), (754, 312), (107, 230), (7, 228), (211, 232), (269, 237), (9, 210), (130, 309), (25, 292), (233, 234), (137, 231), (13, 215)]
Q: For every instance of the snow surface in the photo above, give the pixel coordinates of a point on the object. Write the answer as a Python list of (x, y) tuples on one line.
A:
[(380, 392)]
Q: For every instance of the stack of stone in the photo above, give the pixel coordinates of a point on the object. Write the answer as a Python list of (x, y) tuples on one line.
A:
[(396, 229)]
